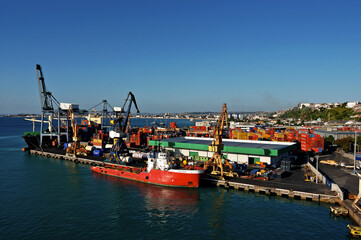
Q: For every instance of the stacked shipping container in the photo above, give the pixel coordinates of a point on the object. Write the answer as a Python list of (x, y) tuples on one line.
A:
[(309, 141)]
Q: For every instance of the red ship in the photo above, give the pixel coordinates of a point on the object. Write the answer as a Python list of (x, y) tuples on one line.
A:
[(158, 172)]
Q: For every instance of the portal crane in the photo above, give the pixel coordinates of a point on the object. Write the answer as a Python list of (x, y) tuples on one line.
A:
[(217, 146), (105, 113), (121, 122), (47, 101), (131, 100)]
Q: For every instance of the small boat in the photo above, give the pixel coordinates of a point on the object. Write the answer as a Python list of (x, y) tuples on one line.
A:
[(158, 171), (339, 211), (354, 230)]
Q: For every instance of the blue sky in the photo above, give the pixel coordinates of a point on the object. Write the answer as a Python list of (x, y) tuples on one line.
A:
[(178, 56)]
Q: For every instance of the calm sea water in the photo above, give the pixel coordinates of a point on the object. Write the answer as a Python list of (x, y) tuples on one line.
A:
[(42, 198)]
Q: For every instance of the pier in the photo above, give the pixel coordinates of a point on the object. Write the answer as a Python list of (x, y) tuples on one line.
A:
[(352, 211), (274, 191), (65, 157)]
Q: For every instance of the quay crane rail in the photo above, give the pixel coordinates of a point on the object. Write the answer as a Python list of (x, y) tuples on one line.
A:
[(119, 149), (217, 146)]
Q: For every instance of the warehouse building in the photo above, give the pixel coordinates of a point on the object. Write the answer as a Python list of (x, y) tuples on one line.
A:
[(239, 151)]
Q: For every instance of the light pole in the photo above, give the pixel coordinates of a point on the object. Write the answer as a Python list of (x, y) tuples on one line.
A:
[(354, 151), (317, 168)]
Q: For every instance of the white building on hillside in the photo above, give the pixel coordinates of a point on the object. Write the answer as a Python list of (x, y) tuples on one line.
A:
[(352, 104)]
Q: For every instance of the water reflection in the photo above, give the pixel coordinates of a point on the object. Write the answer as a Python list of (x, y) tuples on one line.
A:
[(160, 198), (216, 218)]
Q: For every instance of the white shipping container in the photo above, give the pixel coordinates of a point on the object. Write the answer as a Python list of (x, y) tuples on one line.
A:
[(66, 106), (89, 148), (118, 109), (113, 134), (108, 145)]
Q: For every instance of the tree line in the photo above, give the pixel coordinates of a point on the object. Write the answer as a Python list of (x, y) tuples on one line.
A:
[(325, 114)]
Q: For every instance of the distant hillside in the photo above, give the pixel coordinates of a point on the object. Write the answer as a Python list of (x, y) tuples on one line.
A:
[(308, 114)]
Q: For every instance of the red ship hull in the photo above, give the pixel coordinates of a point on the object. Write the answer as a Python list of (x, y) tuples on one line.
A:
[(172, 177)]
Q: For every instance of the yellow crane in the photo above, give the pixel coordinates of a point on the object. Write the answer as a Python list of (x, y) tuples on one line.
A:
[(75, 148), (217, 146)]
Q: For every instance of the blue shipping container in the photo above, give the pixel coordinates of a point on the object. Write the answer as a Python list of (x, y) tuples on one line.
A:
[(254, 171), (328, 183), (358, 156), (98, 152)]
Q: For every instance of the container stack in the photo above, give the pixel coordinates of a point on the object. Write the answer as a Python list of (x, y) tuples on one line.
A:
[(239, 134), (199, 128), (146, 130), (291, 136), (98, 143), (200, 131), (312, 142), (305, 142), (136, 139), (280, 137), (317, 143), (286, 165), (173, 125)]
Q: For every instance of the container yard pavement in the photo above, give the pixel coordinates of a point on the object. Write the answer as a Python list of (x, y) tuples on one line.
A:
[(340, 176)]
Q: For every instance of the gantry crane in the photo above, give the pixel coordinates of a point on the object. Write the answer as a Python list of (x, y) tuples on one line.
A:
[(104, 114), (48, 101), (121, 122), (217, 146)]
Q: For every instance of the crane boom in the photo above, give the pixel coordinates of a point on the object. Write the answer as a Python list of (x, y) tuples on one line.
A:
[(131, 100), (46, 98)]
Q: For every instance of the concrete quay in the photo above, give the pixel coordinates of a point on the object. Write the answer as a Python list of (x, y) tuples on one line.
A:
[(274, 191), (65, 157)]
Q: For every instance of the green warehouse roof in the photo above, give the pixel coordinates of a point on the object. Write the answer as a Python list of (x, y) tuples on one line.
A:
[(264, 148)]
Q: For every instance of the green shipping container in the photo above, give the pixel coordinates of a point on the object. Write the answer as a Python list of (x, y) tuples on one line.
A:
[(193, 154)]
